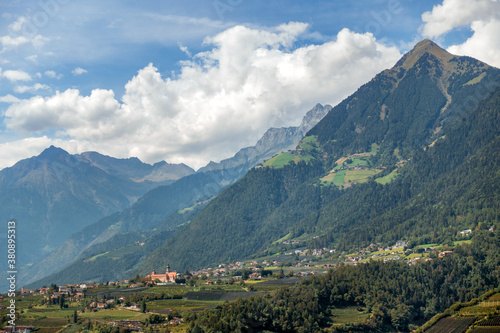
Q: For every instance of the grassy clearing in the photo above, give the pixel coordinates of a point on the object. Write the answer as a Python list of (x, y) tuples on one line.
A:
[(387, 179), (281, 160), (309, 143), (476, 79), (469, 241), (96, 256), (349, 315)]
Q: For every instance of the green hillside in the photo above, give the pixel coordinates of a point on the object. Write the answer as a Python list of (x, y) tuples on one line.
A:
[(433, 193)]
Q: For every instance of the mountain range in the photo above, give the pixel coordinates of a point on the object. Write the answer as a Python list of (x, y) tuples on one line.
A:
[(413, 155), (141, 197), (374, 169)]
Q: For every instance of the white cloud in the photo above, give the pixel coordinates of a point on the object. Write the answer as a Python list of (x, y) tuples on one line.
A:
[(79, 71), (16, 75), (221, 100), (483, 45), (9, 42), (53, 75), (32, 58), (18, 25), (9, 99), (67, 111), (33, 88), (481, 16), (456, 13)]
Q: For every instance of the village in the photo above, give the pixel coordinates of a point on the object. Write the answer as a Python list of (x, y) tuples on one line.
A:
[(154, 299)]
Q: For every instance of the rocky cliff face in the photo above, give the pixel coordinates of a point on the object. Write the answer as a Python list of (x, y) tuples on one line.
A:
[(274, 141)]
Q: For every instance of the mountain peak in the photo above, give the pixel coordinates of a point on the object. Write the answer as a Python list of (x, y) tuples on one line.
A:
[(53, 153), (425, 46)]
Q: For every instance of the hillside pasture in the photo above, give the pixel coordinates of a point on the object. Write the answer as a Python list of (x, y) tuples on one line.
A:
[(279, 161), (348, 315)]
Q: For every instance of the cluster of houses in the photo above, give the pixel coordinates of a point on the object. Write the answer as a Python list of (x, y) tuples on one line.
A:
[(314, 252), (395, 252), (75, 291)]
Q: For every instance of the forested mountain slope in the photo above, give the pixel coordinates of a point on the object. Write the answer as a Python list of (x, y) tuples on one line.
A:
[(431, 123)]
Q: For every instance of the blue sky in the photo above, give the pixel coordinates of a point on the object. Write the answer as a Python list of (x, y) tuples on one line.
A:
[(196, 81)]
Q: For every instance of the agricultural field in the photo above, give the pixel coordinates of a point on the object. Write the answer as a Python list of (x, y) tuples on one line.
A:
[(480, 316), (485, 330), (451, 325), (180, 305), (351, 170), (491, 322), (219, 296), (360, 176)]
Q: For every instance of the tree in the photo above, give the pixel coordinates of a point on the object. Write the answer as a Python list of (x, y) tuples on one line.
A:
[(61, 301), (143, 306), (75, 317)]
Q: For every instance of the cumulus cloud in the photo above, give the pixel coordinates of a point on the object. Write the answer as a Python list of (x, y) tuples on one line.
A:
[(79, 71), (456, 13), (483, 45), (220, 101), (68, 112), (481, 16), (33, 88), (15, 75)]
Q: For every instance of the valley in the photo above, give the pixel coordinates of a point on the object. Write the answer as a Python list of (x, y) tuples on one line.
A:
[(382, 215)]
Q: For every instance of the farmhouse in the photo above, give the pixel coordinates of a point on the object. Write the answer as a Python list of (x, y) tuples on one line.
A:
[(167, 277), (445, 254)]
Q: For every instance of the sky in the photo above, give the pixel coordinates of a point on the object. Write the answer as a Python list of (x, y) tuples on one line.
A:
[(195, 81)]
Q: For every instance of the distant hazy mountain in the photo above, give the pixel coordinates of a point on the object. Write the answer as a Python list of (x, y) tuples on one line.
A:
[(158, 204), (275, 140), (55, 194), (136, 170)]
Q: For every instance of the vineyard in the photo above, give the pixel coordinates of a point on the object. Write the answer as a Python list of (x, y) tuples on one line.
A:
[(485, 330), (219, 296), (451, 325), (495, 321)]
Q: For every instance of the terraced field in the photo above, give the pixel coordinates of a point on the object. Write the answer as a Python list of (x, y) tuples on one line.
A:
[(451, 325)]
